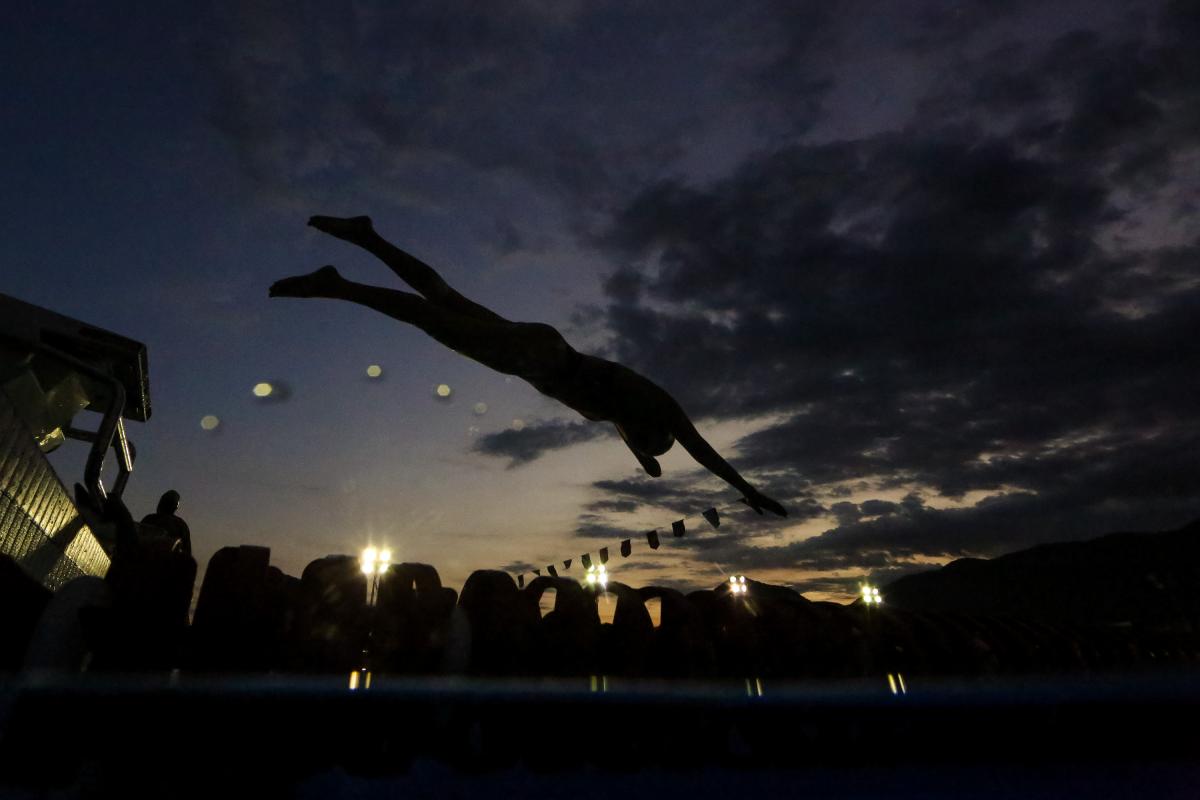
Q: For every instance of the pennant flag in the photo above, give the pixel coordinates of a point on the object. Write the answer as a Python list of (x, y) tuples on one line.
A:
[(603, 555), (652, 539), (537, 572), (520, 581), (586, 560), (677, 528), (553, 572), (567, 564), (713, 517), (626, 548)]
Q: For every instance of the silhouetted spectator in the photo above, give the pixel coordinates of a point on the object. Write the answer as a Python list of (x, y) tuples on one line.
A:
[(165, 519), (570, 634), (151, 593), (503, 623), (680, 648), (625, 642), (412, 620), (331, 624), (241, 614)]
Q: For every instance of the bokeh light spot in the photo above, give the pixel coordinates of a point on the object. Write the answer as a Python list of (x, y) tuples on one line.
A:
[(209, 422), (518, 424), (443, 390), (263, 389), (480, 409), (374, 371)]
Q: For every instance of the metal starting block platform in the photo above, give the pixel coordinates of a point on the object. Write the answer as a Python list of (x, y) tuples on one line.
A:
[(51, 368)]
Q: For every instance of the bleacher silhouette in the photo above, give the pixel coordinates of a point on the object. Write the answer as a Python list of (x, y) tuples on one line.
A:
[(252, 618)]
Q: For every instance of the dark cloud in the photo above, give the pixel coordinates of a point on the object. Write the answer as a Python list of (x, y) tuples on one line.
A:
[(877, 508), (682, 494), (998, 298), (903, 542), (535, 439), (673, 503), (583, 99), (845, 512), (595, 526), (937, 25), (617, 506)]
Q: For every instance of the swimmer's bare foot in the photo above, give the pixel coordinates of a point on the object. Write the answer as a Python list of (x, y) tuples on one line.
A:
[(322, 283), (350, 229)]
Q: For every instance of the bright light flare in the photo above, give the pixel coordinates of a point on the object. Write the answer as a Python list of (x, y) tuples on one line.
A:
[(443, 390), (597, 575), (263, 389), (870, 595), (374, 371), (375, 562), (737, 584)]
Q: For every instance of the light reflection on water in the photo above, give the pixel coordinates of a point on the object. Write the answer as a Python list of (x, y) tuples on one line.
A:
[(360, 678)]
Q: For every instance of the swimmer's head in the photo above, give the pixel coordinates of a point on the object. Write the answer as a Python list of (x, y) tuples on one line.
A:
[(648, 440)]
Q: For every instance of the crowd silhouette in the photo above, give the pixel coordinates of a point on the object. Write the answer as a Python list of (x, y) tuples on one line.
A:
[(252, 618)]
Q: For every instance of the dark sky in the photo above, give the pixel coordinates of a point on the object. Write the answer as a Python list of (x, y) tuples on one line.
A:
[(926, 271)]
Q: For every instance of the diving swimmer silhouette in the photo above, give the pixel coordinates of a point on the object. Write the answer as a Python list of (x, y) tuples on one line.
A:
[(648, 419)]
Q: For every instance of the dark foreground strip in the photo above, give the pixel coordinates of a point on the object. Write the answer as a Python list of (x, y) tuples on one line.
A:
[(282, 732)]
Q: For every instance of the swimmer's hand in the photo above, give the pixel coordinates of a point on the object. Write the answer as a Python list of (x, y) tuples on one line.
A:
[(758, 501), (649, 463)]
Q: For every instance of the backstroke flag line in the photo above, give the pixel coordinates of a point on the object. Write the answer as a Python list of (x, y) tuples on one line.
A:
[(678, 529)]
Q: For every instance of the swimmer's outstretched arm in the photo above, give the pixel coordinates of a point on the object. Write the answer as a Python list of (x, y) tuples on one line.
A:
[(699, 449)]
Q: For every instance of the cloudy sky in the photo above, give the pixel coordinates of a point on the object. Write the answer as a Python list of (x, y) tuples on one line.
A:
[(926, 272)]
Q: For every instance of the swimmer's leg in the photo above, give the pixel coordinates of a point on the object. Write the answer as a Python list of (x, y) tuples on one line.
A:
[(468, 335), (416, 273), (327, 282), (324, 282)]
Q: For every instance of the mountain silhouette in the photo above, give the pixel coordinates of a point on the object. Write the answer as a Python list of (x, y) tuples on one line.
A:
[(1147, 581)]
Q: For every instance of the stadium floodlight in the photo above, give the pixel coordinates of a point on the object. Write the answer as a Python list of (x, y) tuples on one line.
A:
[(870, 595), (597, 575), (737, 584), (373, 564), (369, 556)]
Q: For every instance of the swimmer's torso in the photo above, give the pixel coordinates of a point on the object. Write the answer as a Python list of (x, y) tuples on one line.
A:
[(599, 389)]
